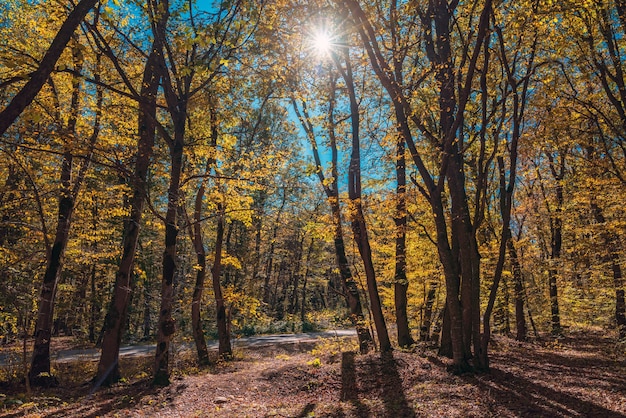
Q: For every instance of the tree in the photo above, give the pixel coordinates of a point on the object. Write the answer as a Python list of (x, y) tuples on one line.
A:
[(331, 189), (594, 34), (355, 209), (519, 86), (108, 366), (71, 182)]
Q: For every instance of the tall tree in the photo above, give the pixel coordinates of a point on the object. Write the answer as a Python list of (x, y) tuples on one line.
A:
[(357, 217), (401, 283), (594, 34), (115, 320), (195, 230), (331, 189), (71, 183), (519, 86)]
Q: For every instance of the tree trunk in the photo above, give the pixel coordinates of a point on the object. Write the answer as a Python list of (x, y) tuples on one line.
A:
[(39, 374), (108, 366), (505, 237), (196, 302), (555, 255), (453, 284), (504, 307), (95, 301), (518, 278), (267, 291), (94, 305), (294, 299), (305, 279), (555, 318), (359, 227), (428, 312), (257, 222), (620, 303), (166, 324), (147, 311), (445, 338), (353, 298), (401, 284), (225, 349), (610, 242)]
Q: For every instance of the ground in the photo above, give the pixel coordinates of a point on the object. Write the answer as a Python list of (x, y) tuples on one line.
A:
[(581, 375)]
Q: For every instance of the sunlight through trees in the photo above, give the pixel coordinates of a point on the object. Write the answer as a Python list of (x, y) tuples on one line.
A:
[(435, 171)]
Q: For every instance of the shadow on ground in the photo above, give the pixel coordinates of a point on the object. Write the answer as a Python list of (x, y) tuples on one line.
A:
[(376, 377)]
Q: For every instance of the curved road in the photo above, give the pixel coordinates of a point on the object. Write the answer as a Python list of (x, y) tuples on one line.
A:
[(65, 356)]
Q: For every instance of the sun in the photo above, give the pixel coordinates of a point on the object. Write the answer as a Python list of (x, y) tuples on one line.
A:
[(322, 42)]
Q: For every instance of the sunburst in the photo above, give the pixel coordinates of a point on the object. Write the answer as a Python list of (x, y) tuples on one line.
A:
[(322, 42)]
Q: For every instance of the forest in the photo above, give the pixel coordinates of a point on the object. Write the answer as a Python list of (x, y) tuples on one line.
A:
[(444, 177)]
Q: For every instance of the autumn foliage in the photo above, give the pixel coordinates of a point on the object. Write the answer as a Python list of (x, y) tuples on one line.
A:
[(424, 171)]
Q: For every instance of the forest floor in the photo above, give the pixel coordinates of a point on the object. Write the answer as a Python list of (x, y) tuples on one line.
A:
[(580, 375)]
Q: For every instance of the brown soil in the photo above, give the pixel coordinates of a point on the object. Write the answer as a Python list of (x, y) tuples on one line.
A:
[(583, 375)]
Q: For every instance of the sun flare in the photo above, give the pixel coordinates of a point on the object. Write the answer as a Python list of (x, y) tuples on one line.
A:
[(322, 42)]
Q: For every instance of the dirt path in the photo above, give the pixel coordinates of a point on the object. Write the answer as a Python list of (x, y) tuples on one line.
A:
[(89, 354)]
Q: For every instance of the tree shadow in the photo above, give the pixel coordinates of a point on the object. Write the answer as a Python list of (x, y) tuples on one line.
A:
[(593, 368), (349, 387), (378, 377), (528, 398), (524, 397), (396, 404)]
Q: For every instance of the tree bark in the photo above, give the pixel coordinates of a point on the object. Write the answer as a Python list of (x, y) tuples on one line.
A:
[(94, 305), (520, 318), (225, 349), (428, 312), (196, 302), (95, 300), (305, 279), (556, 243), (39, 374), (166, 324), (401, 284), (445, 337), (147, 309)]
